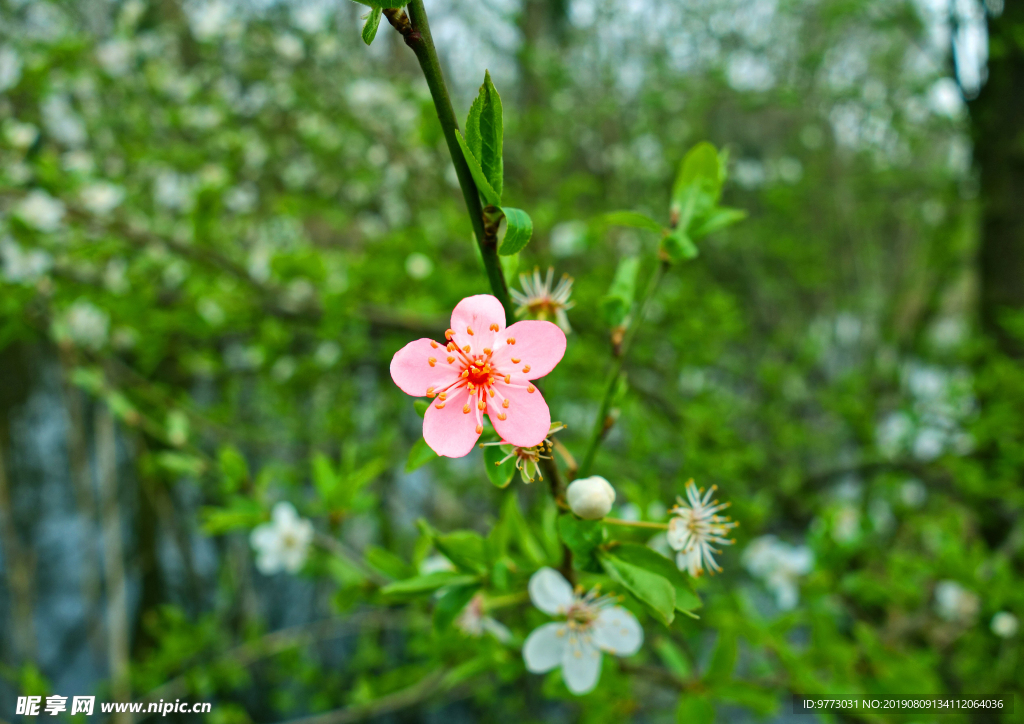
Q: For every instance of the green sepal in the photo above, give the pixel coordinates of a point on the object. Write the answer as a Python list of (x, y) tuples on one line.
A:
[(497, 472)]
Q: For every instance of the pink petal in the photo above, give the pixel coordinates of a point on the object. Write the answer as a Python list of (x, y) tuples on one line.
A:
[(538, 344), (527, 417), (449, 431), (478, 314), (411, 370)]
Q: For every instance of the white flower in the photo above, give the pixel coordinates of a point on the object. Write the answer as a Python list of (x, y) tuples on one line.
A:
[(592, 625), (23, 267), (590, 498), (41, 211), (62, 122), (474, 622), (289, 47), (1004, 625), (209, 20), (102, 197), (540, 301), (283, 543), (418, 266), (955, 603), (780, 566), (20, 135), (115, 57), (694, 527), (10, 68), (87, 325)]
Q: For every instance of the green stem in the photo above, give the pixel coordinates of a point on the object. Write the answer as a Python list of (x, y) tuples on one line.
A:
[(416, 31), (635, 523), (603, 423)]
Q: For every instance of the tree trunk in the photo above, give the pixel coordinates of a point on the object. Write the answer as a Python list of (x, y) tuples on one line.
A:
[(998, 119)]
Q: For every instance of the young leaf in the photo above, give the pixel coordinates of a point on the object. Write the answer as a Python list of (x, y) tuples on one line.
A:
[(520, 532), (717, 220), (678, 246), (484, 135), (233, 467), (386, 562), (325, 480), (509, 267), (700, 167), (419, 455), (631, 219), (450, 604), (420, 406), (723, 661), (694, 709), (483, 185), (465, 548), (383, 4), (649, 587), (497, 472), (372, 23), (427, 583), (618, 301), (686, 599), (518, 230), (581, 537)]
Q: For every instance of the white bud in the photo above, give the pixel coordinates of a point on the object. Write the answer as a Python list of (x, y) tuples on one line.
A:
[(591, 498)]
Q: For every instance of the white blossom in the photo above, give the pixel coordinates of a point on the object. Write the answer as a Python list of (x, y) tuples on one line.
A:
[(20, 135), (593, 623), (283, 543), (21, 266), (41, 211), (10, 68), (472, 621), (102, 197), (1004, 625), (539, 300), (780, 565), (590, 498), (87, 325), (115, 57), (955, 603), (62, 122), (694, 526)]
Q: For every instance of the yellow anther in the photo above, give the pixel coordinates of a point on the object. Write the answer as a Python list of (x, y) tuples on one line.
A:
[(432, 361), (449, 334), (479, 429), (531, 388), (433, 344), (508, 379), (450, 359), (494, 328), (481, 405), (429, 393), (526, 369), (466, 349), (465, 409), (465, 373), (502, 416), (504, 403), (510, 340), (451, 347), (470, 331), (490, 391), (516, 360), (443, 396), (439, 405), (487, 350)]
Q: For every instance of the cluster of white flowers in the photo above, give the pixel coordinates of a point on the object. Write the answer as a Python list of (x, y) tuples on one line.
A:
[(101, 198), (779, 565), (21, 266), (695, 526), (41, 211), (473, 621), (283, 543), (86, 325)]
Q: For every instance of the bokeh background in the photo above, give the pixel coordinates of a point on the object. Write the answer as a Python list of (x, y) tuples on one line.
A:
[(219, 220)]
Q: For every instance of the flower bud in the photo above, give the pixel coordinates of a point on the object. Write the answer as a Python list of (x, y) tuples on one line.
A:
[(591, 498)]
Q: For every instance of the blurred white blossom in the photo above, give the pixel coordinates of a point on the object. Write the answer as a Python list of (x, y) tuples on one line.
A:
[(20, 135), (779, 565), (1004, 625), (86, 325), (41, 211), (283, 543), (102, 197), (22, 266), (10, 68), (955, 603)]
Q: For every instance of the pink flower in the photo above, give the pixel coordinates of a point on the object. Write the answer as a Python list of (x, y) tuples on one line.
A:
[(484, 368)]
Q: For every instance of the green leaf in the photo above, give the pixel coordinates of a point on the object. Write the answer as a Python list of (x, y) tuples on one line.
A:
[(581, 537), (638, 555), (497, 472), (652, 589), (372, 23), (519, 531), (482, 184), (615, 305), (518, 230), (419, 455), (717, 220), (484, 135), (672, 656), (325, 480), (427, 583), (233, 467), (181, 464), (451, 603), (678, 246), (695, 710), (240, 512), (383, 4), (723, 661), (465, 548), (421, 407), (509, 267), (631, 219), (386, 562), (700, 167)]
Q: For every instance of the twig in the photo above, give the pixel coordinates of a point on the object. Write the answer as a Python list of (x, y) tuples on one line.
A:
[(415, 29), (635, 523)]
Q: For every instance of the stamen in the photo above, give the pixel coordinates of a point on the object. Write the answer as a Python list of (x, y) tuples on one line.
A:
[(465, 373), (502, 416), (494, 328), (516, 360), (487, 350), (432, 361), (470, 330), (439, 405), (526, 369), (504, 403), (466, 349), (479, 429), (531, 388), (450, 359), (508, 379), (433, 344), (449, 334), (465, 409), (451, 347), (511, 340), (490, 391), (443, 396)]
